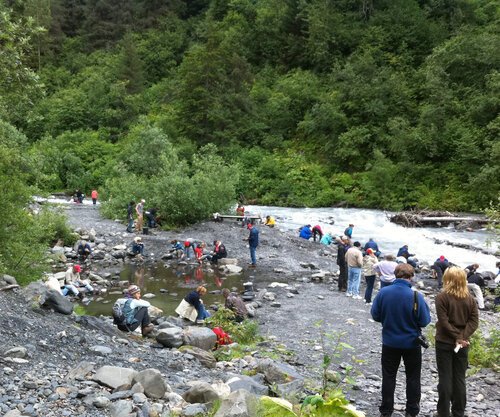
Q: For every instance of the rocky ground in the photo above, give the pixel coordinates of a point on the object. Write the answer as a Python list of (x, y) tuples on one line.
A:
[(53, 370)]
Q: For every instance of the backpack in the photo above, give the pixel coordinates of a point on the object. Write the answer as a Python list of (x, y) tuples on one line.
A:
[(123, 314)]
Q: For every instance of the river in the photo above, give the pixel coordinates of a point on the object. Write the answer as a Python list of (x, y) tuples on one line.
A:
[(390, 236)]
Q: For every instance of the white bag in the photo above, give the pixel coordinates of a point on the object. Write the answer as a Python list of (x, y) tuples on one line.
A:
[(187, 311)]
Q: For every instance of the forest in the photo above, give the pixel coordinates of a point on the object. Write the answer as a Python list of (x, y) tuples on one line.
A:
[(193, 104)]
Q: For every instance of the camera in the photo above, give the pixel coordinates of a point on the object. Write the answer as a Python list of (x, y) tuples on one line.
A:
[(422, 341)]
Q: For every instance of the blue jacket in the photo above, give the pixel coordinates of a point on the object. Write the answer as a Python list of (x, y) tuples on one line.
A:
[(253, 239), (326, 239), (371, 244), (305, 232), (348, 232), (393, 307)]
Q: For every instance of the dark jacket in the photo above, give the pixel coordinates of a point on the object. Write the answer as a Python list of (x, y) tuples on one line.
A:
[(371, 244), (253, 238), (193, 298), (403, 251), (476, 279), (341, 250), (393, 307), (458, 318)]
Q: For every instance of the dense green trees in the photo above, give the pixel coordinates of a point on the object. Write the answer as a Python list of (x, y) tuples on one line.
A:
[(390, 104)]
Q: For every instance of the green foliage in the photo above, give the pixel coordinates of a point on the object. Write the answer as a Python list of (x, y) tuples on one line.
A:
[(484, 352), (244, 333)]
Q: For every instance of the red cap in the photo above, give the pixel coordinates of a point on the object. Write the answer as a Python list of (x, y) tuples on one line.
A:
[(77, 268), (441, 258)]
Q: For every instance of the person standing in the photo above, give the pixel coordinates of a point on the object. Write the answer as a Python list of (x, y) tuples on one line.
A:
[(253, 242), (130, 216), (348, 231), (94, 194), (402, 313), (385, 269), (368, 261), (342, 246), (457, 320), (139, 210), (354, 259)]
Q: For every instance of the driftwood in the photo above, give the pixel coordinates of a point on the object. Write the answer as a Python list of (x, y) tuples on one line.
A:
[(9, 287), (437, 218), (465, 246)]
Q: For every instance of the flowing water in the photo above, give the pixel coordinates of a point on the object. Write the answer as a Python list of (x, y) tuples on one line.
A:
[(390, 236)]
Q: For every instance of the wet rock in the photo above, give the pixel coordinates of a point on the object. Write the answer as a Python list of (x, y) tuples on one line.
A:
[(206, 358), (57, 302), (170, 337)]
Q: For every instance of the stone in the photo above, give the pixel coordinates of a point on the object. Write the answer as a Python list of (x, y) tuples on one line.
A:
[(122, 408), (56, 301), (101, 402), (206, 358), (240, 403), (201, 337), (16, 352), (171, 337), (114, 376), (200, 392), (277, 372), (244, 382), (232, 269), (8, 279), (153, 383), (228, 261), (154, 312), (194, 410), (101, 350)]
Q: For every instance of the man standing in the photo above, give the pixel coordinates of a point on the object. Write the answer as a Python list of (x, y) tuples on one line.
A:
[(130, 216), (342, 246), (402, 313), (253, 242), (385, 269), (139, 209), (354, 259), (348, 231)]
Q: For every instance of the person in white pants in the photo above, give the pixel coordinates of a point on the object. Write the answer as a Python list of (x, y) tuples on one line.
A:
[(478, 294)]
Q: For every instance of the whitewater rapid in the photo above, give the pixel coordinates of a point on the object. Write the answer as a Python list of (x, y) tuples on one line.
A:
[(389, 236)]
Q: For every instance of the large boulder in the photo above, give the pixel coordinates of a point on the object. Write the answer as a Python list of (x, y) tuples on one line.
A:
[(201, 337), (154, 312), (240, 403), (277, 372), (200, 392), (206, 358), (153, 383), (244, 382), (56, 301), (171, 337), (114, 376)]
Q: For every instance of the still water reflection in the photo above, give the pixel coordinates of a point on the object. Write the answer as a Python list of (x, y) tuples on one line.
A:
[(169, 284)]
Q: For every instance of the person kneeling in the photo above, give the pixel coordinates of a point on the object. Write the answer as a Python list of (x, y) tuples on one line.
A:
[(235, 304), (131, 312)]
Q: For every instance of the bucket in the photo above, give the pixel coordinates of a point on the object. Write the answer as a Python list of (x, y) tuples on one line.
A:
[(145, 230)]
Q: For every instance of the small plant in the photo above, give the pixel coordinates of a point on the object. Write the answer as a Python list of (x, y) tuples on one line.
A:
[(485, 352), (244, 333)]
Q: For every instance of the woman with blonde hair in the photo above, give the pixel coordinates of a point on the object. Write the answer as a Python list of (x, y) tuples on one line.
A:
[(458, 319), (194, 298)]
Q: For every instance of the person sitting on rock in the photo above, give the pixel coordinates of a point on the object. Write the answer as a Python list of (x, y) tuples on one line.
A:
[(194, 298), (138, 247), (438, 268), (73, 278), (235, 304), (198, 252), (317, 233), (84, 250), (305, 232), (219, 252), (270, 221), (134, 312)]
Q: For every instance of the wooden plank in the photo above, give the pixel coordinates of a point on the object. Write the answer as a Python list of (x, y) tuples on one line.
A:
[(450, 219)]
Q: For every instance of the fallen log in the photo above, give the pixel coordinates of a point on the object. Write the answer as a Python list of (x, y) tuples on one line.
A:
[(422, 219), (9, 287)]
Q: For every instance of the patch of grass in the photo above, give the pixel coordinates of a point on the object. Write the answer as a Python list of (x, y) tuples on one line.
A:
[(484, 352)]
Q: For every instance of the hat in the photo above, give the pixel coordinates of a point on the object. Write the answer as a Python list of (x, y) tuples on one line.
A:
[(77, 268), (137, 239), (133, 289), (369, 251), (441, 258), (143, 201)]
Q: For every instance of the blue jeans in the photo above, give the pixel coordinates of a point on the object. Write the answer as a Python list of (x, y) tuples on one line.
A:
[(353, 280), (253, 255), (130, 227), (202, 313), (384, 284), (370, 280)]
